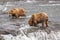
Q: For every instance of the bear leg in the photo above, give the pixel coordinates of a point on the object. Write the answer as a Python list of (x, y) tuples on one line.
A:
[(46, 23)]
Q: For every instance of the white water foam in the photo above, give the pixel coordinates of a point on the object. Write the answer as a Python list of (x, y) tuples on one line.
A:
[(37, 35)]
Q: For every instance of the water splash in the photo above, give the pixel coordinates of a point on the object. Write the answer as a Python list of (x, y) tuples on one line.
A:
[(36, 35)]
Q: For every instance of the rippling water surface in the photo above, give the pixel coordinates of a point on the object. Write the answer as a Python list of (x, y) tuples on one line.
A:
[(18, 29)]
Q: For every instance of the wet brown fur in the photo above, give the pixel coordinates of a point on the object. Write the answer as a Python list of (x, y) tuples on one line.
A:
[(17, 12), (37, 18)]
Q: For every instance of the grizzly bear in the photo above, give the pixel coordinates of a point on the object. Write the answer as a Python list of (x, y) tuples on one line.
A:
[(37, 18), (17, 12)]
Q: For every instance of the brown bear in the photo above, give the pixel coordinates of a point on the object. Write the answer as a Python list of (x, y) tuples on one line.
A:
[(17, 12), (37, 18)]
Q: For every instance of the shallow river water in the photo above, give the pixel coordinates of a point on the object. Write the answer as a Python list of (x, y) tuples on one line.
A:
[(19, 29)]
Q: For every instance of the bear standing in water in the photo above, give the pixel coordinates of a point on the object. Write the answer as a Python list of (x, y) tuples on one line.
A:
[(37, 18), (17, 12)]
